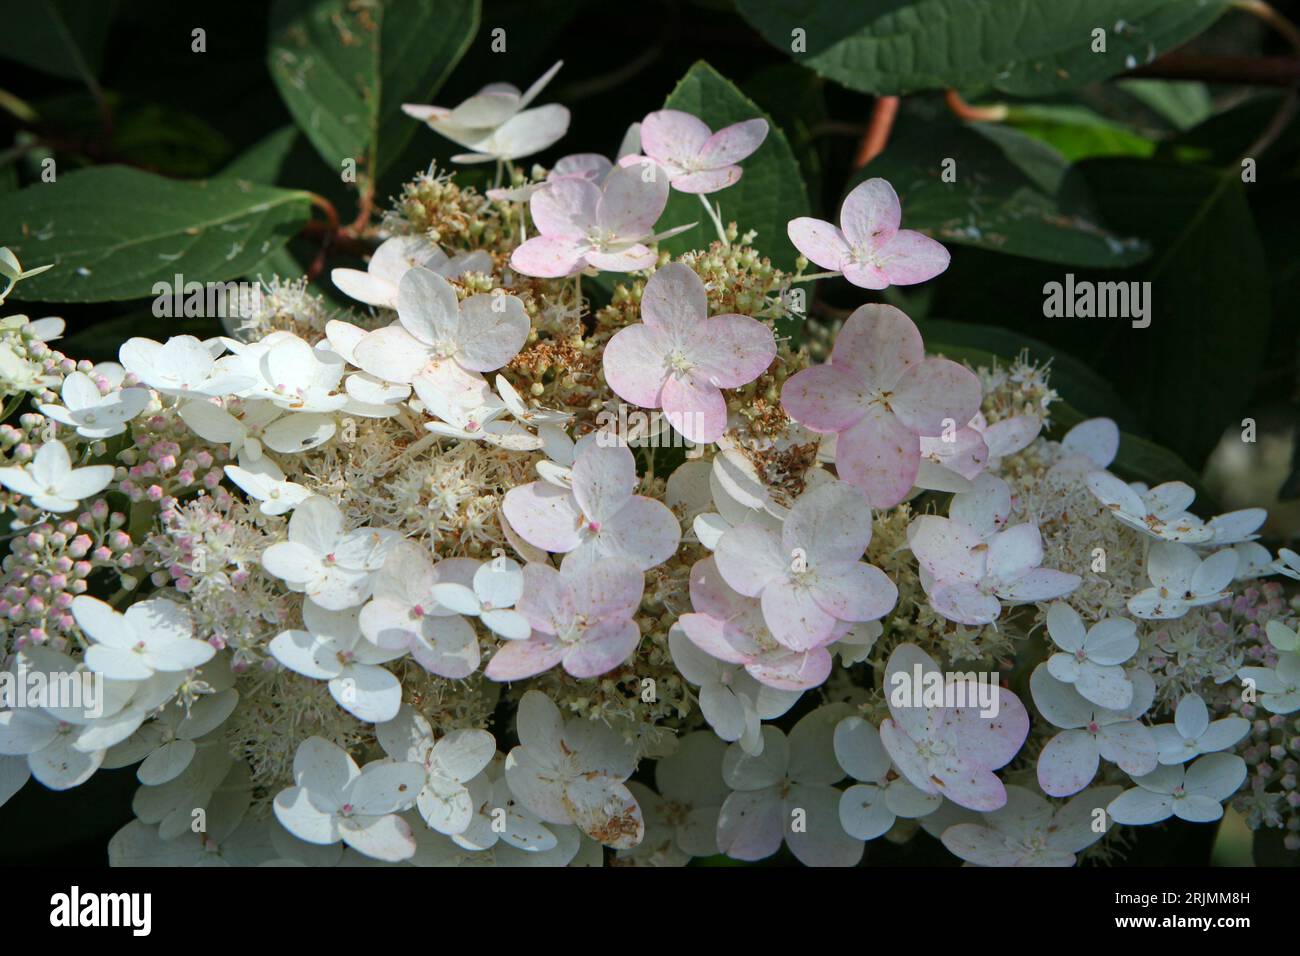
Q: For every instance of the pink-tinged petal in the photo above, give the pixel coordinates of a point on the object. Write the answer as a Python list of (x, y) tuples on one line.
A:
[(794, 618), (672, 136), (547, 601), (970, 785), (694, 407), (565, 209), (635, 365), (1040, 584), (947, 550), (709, 635), (823, 398), (644, 531), (1068, 763), (880, 455), (792, 670), (935, 394), (912, 257), (493, 328), (751, 825), (865, 274), (819, 242), (993, 741), (630, 202), (731, 144), (1012, 434), (604, 477), (732, 350), (877, 344), (748, 557), (674, 303), (831, 523), (545, 516), (906, 754), (707, 181), (610, 590), (870, 214), (393, 354), (711, 595), (549, 257), (981, 845), (603, 647), (965, 455), (517, 660), (854, 592), (964, 603), (634, 258)]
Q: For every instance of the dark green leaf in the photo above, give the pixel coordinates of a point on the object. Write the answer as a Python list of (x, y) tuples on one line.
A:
[(344, 69), (1209, 298), (262, 163), (1029, 47), (112, 231), (62, 37)]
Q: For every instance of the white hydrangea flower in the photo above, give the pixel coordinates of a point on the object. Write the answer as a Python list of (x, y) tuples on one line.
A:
[(331, 648), (334, 800), (1279, 686), (1192, 733), (50, 482), (1193, 793), (787, 794), (153, 636), (94, 415), (377, 285), (681, 820), (185, 366), (1091, 660), (573, 771), (491, 597), (1182, 580), (331, 566), (1160, 512), (1029, 831), (168, 744), (264, 482)]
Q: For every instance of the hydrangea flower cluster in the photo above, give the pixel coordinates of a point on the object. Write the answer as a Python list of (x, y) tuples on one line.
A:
[(401, 584)]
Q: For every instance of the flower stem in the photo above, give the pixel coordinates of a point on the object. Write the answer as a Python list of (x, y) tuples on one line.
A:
[(716, 216), (813, 276)]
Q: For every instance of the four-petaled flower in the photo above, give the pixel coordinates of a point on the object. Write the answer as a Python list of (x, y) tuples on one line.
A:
[(879, 395), (696, 159), (50, 482), (679, 359), (869, 247)]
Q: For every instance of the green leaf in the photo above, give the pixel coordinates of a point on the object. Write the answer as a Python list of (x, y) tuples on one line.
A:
[(344, 69), (1182, 103), (770, 192), (1027, 47), (262, 163), (1209, 295), (64, 38), (997, 199), (1076, 132), (113, 231)]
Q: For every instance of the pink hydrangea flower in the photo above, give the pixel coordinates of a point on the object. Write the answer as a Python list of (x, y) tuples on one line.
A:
[(697, 159), (679, 359), (879, 395), (728, 626), (949, 750), (869, 248), (599, 517), (440, 344), (607, 227), (581, 617), (809, 576), (967, 575)]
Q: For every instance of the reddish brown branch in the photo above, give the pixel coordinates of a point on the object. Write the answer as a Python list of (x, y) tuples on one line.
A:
[(1247, 70), (876, 137)]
